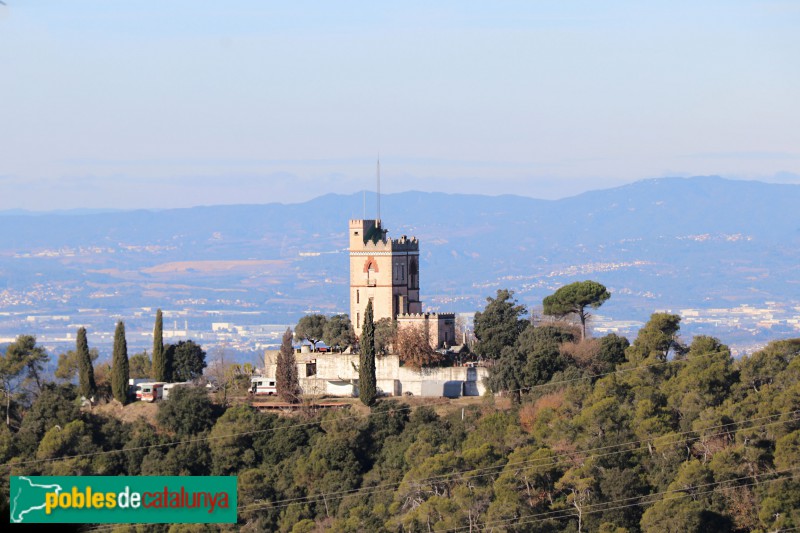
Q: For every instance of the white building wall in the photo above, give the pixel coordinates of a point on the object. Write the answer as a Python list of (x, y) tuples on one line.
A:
[(337, 375)]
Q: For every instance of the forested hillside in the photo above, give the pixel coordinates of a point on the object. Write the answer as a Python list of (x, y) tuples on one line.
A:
[(658, 436)]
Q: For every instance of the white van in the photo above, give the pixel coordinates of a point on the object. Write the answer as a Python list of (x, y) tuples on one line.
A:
[(261, 386)]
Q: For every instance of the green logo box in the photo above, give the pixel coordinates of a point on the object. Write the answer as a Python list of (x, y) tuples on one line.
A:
[(123, 499)]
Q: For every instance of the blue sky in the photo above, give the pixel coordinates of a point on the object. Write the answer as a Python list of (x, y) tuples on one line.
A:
[(111, 103)]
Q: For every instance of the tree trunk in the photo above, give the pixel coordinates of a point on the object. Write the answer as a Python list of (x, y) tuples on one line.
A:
[(580, 516), (582, 316)]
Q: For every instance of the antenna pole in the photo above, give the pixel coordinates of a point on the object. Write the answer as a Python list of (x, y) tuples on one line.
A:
[(379, 187), (365, 205)]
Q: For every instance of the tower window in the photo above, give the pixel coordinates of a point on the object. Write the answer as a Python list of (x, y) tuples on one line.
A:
[(358, 296)]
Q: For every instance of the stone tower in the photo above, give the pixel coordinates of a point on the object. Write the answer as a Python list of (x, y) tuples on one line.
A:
[(383, 270)]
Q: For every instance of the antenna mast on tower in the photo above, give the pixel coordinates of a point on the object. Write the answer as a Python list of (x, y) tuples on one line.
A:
[(379, 187)]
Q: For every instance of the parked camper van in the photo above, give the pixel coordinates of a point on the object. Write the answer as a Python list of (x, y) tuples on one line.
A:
[(261, 386), (169, 386), (133, 384), (150, 392)]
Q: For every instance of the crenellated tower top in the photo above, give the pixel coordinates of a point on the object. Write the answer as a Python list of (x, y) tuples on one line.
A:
[(382, 270)]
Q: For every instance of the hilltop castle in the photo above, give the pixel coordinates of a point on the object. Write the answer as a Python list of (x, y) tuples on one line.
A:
[(386, 271)]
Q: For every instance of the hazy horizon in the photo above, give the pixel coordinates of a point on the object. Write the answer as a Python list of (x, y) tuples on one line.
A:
[(124, 105), (370, 197)]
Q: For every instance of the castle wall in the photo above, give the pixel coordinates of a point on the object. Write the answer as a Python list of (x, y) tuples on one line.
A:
[(337, 375), (441, 326)]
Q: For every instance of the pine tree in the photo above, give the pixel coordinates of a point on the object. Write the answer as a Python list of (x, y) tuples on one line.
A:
[(159, 361), (286, 381), (87, 387), (119, 365), (367, 382)]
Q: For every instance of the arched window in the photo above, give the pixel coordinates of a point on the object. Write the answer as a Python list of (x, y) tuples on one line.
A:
[(371, 269), (413, 273)]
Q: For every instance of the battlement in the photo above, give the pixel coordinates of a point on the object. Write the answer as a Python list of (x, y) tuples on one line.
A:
[(382, 243), (363, 232), (404, 244), (379, 246), (426, 316), (358, 222)]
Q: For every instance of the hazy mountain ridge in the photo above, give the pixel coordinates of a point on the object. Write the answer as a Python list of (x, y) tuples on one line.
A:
[(658, 244)]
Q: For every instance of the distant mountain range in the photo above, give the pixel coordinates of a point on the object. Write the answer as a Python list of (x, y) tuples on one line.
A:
[(670, 243)]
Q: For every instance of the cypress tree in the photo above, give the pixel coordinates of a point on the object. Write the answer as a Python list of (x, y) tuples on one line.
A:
[(119, 365), (367, 382), (286, 381), (86, 385), (159, 361)]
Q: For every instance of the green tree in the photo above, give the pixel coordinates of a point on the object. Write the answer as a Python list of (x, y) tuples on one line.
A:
[(533, 360), (688, 505), (33, 358), (20, 355), (140, 365), (656, 339), (761, 368), (160, 370), (311, 327), (508, 374), (338, 332), (55, 406), (119, 363), (190, 457), (542, 348), (188, 360), (526, 485), (704, 381), (579, 485), (367, 382), (286, 380), (103, 375), (11, 365), (67, 365), (188, 411), (574, 299), (86, 385), (142, 437), (330, 467), (612, 351), (72, 439), (239, 440), (499, 324)]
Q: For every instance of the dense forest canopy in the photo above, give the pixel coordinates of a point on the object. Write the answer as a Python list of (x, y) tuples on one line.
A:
[(660, 434)]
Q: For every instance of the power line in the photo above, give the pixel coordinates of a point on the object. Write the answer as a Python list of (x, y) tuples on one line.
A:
[(603, 506), (569, 513), (545, 461), (383, 488)]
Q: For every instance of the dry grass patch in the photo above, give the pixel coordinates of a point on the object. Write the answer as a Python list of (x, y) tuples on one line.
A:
[(128, 413)]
